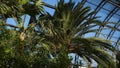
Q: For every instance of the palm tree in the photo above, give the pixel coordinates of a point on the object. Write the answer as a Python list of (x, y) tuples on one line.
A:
[(67, 27)]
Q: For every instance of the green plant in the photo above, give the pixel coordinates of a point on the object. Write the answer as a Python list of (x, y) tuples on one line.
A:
[(48, 40)]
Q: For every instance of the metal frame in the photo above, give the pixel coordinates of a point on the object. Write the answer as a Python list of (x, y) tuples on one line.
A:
[(109, 16)]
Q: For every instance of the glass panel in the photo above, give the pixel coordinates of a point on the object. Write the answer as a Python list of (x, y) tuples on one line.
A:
[(103, 14), (105, 31), (96, 2), (89, 35), (112, 25), (27, 18), (11, 21), (113, 39), (119, 26), (116, 34), (108, 6), (77, 0), (114, 18), (118, 12), (91, 6), (102, 36), (52, 2), (51, 11)]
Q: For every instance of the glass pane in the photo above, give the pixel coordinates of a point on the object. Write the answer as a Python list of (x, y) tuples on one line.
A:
[(114, 18), (102, 36), (52, 2), (96, 2), (108, 6), (91, 6), (89, 35), (116, 34), (51, 11), (11, 21), (113, 39), (118, 12), (103, 14), (106, 31), (119, 27), (78, 0), (27, 18)]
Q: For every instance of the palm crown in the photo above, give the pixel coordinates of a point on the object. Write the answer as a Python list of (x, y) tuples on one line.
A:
[(67, 27)]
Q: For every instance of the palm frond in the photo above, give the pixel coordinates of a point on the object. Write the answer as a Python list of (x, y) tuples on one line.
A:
[(94, 49)]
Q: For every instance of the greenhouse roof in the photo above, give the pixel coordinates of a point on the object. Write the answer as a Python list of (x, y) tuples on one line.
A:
[(109, 13)]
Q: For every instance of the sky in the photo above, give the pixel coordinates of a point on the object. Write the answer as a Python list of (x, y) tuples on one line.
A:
[(102, 13)]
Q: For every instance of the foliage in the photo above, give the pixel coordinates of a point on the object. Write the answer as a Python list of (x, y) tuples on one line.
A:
[(48, 40), (27, 53)]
